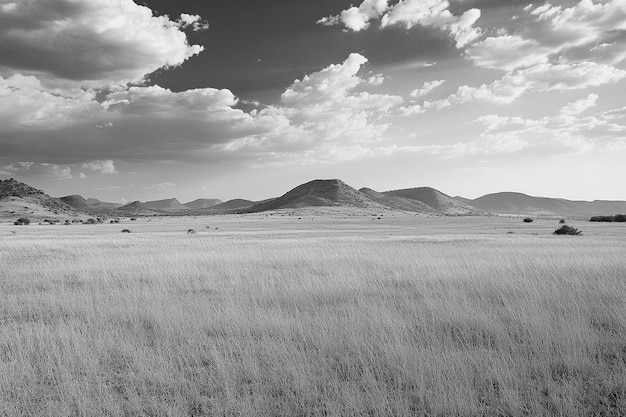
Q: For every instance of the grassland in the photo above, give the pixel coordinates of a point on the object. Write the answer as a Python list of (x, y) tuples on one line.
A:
[(317, 316)]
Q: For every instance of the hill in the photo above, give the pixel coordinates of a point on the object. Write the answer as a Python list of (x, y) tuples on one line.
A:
[(168, 204), (20, 199), (236, 204), (202, 203), (316, 193), (398, 203), (518, 203), (103, 204), (440, 202)]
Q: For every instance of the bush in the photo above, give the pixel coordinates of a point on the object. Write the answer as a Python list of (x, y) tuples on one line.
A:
[(609, 219), (91, 221), (125, 231), (528, 220), (562, 221), (22, 221), (567, 230)]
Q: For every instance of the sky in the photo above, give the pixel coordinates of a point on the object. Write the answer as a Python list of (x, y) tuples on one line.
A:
[(146, 100)]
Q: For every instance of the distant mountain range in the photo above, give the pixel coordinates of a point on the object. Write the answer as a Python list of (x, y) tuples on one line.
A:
[(518, 203), (18, 198)]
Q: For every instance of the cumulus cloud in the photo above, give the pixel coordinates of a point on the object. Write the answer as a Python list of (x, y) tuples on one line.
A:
[(324, 117), (328, 109), (508, 52), (588, 31), (103, 167), (427, 88), (193, 21), (89, 43), (563, 133), (358, 18), (409, 13), (539, 78), (32, 169), (580, 106)]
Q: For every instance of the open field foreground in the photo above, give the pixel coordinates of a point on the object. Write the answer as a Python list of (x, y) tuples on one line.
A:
[(320, 316)]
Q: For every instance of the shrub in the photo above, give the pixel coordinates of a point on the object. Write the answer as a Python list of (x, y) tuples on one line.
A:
[(125, 231), (609, 219), (567, 230), (22, 221), (562, 221), (191, 232), (528, 220), (91, 221)]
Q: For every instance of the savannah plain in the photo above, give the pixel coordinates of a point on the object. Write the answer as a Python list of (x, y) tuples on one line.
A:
[(311, 315)]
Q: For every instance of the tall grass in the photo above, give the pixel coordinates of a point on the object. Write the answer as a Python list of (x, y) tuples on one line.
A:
[(313, 319)]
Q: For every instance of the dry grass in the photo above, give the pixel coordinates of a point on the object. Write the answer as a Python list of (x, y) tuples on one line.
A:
[(276, 316)]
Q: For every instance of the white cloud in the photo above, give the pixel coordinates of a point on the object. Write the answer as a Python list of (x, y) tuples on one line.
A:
[(328, 109), (588, 31), (409, 13), (579, 106), (322, 117), (44, 169), (563, 133), (193, 21), (358, 18), (88, 43), (539, 78), (508, 52), (103, 167), (376, 80), (427, 88)]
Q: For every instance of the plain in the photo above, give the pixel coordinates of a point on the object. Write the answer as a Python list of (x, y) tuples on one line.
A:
[(313, 315)]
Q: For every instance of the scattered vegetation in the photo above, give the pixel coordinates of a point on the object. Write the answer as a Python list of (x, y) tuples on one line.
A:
[(567, 230), (22, 221), (609, 219)]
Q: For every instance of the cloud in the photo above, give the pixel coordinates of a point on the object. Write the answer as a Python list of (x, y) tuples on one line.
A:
[(104, 167), (193, 21), (562, 133), (32, 169), (323, 116), (579, 106), (320, 114), (539, 78), (358, 18), (427, 88), (588, 31), (508, 52), (89, 43), (410, 13)]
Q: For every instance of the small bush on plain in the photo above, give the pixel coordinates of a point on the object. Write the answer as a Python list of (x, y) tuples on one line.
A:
[(567, 230)]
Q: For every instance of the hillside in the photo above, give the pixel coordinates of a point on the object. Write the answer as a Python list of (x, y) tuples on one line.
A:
[(236, 204), (20, 199), (103, 204), (202, 203), (440, 202), (398, 203), (317, 193), (168, 204), (518, 203)]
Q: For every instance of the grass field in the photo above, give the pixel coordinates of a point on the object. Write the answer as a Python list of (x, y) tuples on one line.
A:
[(313, 316)]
